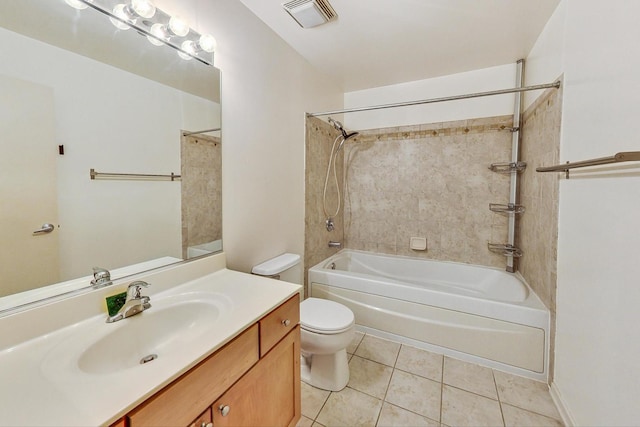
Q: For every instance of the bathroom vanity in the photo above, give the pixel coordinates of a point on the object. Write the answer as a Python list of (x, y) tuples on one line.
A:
[(226, 347), (251, 381)]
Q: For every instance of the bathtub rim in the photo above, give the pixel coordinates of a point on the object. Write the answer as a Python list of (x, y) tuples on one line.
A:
[(537, 313)]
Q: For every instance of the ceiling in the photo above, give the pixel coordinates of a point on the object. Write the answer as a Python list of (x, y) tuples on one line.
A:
[(382, 42)]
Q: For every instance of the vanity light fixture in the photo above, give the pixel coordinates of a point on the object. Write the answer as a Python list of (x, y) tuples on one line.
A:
[(158, 26)]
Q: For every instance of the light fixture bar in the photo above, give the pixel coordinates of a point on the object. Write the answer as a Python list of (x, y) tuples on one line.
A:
[(202, 52)]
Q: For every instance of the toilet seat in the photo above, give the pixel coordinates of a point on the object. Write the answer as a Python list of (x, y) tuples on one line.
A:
[(325, 317)]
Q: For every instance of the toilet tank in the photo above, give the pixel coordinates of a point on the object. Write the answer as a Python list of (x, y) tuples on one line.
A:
[(285, 267)]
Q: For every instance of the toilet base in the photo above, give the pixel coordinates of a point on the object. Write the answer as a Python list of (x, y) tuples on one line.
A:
[(325, 371)]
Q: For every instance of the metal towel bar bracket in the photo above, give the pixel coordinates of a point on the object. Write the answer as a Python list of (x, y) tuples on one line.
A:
[(624, 156), (509, 208), (505, 249), (508, 167)]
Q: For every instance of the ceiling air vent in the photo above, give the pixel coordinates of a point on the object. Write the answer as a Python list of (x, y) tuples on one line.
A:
[(310, 13)]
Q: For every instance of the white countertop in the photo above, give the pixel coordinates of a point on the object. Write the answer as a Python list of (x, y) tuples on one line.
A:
[(42, 385)]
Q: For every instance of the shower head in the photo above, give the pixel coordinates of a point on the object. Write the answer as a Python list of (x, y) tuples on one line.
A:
[(336, 124)]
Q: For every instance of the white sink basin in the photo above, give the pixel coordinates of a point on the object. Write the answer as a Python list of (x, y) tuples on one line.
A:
[(150, 334), (171, 325)]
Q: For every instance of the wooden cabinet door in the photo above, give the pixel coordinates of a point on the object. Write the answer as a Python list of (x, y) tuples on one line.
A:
[(269, 394), (204, 420)]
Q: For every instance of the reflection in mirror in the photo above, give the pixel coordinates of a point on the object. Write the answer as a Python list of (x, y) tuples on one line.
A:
[(78, 94)]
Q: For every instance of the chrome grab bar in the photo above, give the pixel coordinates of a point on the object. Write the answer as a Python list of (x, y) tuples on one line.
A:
[(45, 229)]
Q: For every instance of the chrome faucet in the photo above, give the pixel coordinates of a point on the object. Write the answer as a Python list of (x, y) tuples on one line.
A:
[(135, 303), (101, 277), (333, 244)]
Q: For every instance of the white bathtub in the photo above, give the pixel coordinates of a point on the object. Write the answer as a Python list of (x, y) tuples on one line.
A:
[(480, 314)]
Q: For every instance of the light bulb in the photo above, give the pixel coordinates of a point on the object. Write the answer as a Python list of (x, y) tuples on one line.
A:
[(208, 43), (121, 13), (178, 26), (77, 4), (143, 8), (189, 47), (160, 32)]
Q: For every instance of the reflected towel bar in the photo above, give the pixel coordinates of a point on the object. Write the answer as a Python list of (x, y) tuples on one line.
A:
[(625, 156), (139, 176)]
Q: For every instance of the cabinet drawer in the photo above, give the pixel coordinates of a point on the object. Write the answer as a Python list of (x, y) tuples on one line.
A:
[(275, 325), (182, 401)]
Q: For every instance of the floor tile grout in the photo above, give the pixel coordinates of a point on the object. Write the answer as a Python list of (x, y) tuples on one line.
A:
[(394, 367)]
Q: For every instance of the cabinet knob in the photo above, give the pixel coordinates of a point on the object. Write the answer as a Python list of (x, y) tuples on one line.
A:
[(286, 322), (224, 410)]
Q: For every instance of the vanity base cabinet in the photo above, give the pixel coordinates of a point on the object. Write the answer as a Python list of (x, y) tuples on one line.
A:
[(250, 382), (269, 394), (182, 401)]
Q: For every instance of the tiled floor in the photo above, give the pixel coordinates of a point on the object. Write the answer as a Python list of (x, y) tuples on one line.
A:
[(398, 385)]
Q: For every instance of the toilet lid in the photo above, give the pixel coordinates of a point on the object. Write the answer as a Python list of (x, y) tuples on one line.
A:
[(324, 316)]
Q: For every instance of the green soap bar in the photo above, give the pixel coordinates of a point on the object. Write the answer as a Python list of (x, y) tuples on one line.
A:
[(115, 302)]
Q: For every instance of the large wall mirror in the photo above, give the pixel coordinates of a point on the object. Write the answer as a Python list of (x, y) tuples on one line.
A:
[(79, 94)]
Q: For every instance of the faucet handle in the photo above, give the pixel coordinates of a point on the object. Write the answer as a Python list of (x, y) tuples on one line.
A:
[(135, 288), (101, 276)]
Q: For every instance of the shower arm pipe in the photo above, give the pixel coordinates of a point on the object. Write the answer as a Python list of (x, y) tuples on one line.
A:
[(555, 85)]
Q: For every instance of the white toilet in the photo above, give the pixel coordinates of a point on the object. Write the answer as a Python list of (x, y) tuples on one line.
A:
[(326, 329)]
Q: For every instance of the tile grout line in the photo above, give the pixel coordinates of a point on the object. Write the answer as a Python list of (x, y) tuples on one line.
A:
[(495, 383), (441, 389), (386, 390)]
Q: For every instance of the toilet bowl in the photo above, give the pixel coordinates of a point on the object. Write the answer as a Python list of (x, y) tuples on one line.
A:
[(326, 329)]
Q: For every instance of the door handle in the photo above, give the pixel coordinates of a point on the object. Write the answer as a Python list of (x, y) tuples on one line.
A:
[(46, 228)]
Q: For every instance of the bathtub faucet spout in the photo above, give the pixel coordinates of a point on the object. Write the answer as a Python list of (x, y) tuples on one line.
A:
[(333, 244)]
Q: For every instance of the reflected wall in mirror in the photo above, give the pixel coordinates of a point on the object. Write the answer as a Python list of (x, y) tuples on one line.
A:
[(201, 195), (78, 94)]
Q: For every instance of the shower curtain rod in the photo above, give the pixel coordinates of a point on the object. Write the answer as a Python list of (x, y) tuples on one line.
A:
[(555, 84), (199, 132)]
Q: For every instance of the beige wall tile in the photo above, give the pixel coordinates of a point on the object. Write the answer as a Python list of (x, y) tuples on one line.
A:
[(539, 192), (427, 181), (319, 140), (201, 190)]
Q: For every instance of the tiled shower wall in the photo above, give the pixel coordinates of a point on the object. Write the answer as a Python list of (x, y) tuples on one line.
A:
[(538, 226), (201, 189), (319, 140), (429, 181)]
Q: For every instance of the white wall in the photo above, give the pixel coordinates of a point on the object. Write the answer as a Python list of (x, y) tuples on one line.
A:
[(266, 89), (113, 121), (494, 78), (598, 339)]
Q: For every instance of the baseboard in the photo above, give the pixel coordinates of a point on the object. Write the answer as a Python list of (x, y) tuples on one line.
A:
[(567, 419)]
